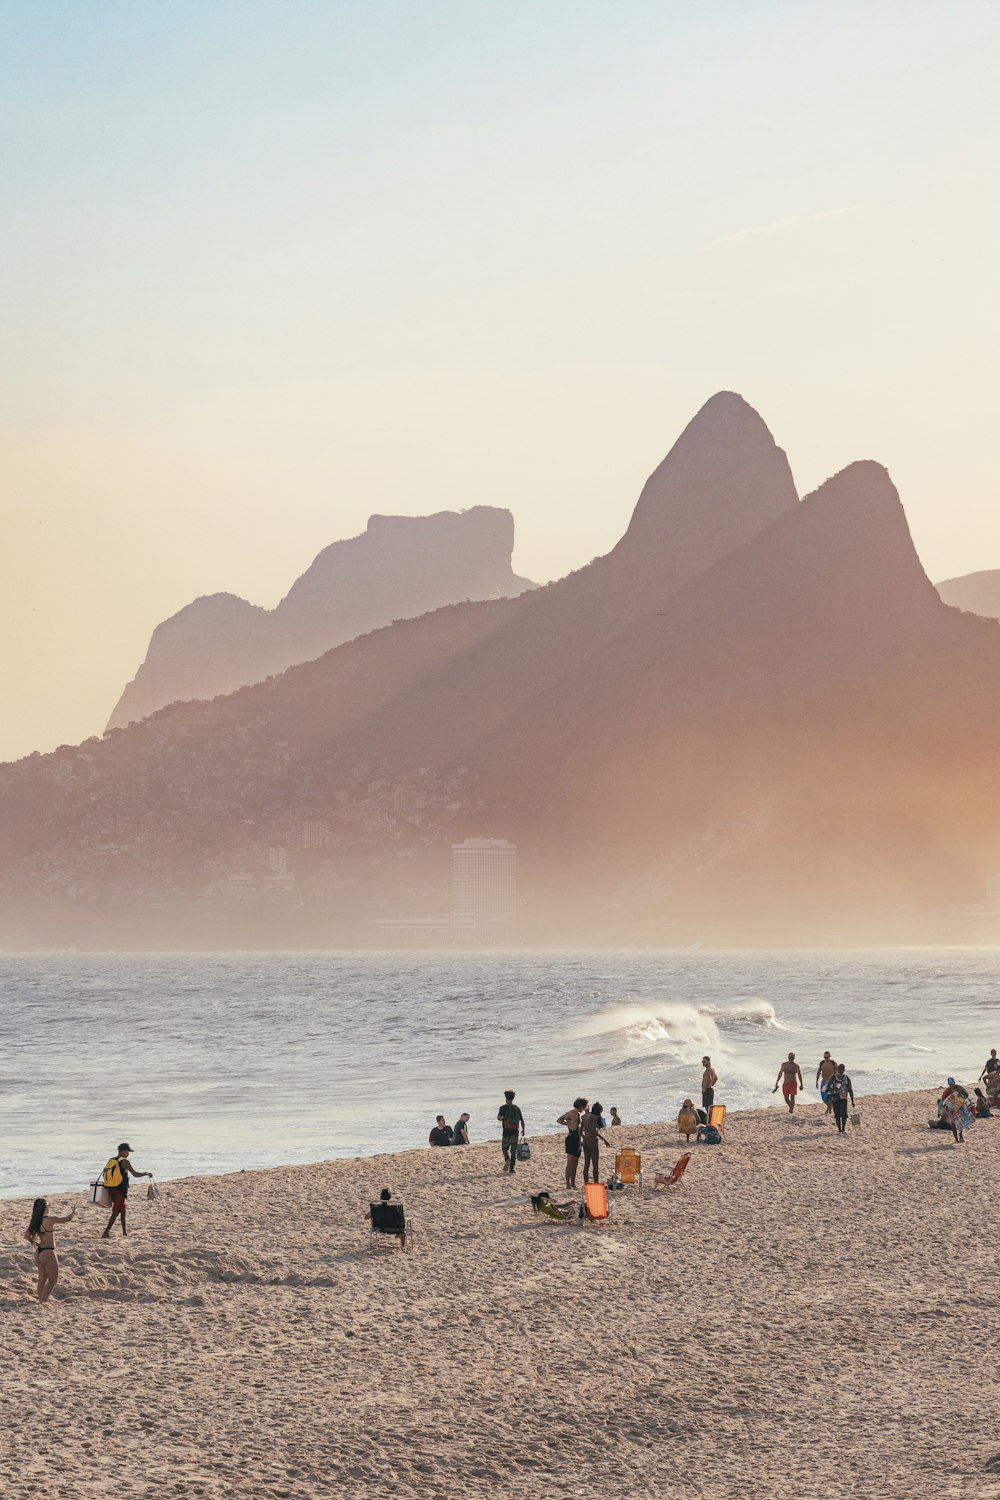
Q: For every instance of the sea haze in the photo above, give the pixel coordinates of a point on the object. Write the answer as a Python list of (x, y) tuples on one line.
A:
[(215, 1062)]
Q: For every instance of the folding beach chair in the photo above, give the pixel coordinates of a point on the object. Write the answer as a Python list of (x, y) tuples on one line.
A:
[(717, 1117), (542, 1204), (663, 1180), (388, 1221), (596, 1207), (628, 1167)]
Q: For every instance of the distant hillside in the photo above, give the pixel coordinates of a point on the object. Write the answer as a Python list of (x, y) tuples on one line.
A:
[(753, 721), (978, 593), (400, 567)]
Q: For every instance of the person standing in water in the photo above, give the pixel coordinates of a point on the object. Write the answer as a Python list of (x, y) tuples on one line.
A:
[(115, 1178), (511, 1122), (790, 1078), (709, 1079), (590, 1132), (41, 1233), (825, 1071), (571, 1119)]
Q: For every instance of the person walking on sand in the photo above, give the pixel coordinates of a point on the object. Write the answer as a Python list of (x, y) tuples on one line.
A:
[(709, 1079), (511, 1123), (460, 1135), (955, 1110), (840, 1090), (41, 1233), (790, 1079), (825, 1071), (115, 1178), (571, 1119), (590, 1133)]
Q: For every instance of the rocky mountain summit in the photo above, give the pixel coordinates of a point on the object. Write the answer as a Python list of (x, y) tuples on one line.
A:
[(401, 566), (753, 721)]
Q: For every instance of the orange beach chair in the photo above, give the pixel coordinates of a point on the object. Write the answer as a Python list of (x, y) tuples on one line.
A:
[(665, 1180), (595, 1202), (628, 1167), (717, 1117)]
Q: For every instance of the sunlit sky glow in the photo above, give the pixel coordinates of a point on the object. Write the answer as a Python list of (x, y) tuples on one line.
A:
[(267, 268)]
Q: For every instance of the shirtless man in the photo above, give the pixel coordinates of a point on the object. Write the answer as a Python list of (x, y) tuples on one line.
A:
[(571, 1119), (709, 1079), (790, 1078), (825, 1071)]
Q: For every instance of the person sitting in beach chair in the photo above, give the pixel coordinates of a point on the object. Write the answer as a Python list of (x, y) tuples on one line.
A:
[(388, 1221), (596, 1208), (671, 1179), (628, 1167), (542, 1204), (687, 1119)]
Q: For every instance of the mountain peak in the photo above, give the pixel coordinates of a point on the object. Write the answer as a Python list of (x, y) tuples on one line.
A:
[(724, 480)]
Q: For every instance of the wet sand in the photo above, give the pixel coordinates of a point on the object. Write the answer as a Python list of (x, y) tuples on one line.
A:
[(805, 1315)]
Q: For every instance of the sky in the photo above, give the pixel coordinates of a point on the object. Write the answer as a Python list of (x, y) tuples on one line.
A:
[(267, 268)]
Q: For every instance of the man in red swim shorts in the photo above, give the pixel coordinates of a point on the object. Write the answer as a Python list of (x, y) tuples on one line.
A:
[(790, 1078)]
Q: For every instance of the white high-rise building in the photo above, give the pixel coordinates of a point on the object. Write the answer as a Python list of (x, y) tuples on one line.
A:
[(484, 883)]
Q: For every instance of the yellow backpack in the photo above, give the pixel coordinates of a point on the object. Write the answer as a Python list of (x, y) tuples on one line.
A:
[(112, 1176)]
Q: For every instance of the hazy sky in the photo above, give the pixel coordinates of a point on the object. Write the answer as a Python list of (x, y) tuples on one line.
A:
[(267, 268)]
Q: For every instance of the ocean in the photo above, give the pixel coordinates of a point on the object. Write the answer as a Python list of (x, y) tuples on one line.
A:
[(214, 1062)]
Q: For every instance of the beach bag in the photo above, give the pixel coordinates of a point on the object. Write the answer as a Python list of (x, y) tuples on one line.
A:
[(856, 1119), (524, 1151), (152, 1192), (99, 1194), (709, 1135), (112, 1176)]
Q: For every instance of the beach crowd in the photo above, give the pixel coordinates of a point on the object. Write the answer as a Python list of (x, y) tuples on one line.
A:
[(584, 1124)]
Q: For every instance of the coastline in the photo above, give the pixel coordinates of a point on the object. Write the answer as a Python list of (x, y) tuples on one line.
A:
[(803, 1312)]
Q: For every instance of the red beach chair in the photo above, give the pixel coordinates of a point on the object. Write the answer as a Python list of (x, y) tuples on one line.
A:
[(663, 1180)]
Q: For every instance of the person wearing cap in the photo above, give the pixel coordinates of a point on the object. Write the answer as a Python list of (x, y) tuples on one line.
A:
[(119, 1169), (954, 1109)]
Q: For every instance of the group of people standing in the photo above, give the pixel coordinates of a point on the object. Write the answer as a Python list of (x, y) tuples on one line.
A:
[(585, 1124)]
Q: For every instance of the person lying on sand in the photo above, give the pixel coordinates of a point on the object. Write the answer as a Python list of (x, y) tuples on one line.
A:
[(790, 1078), (41, 1234)]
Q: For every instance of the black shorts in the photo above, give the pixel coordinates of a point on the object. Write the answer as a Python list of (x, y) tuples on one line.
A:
[(573, 1143)]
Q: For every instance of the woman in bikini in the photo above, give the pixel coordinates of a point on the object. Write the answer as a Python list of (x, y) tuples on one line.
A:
[(41, 1232), (571, 1119)]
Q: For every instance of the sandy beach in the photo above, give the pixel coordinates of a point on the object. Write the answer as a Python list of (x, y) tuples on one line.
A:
[(806, 1314)]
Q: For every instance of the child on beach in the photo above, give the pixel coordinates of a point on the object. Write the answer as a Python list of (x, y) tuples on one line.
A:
[(41, 1233)]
